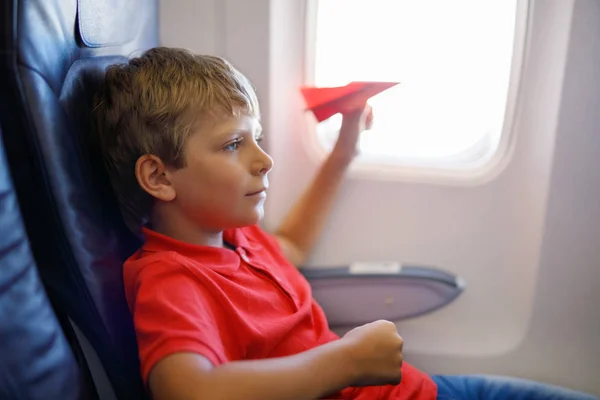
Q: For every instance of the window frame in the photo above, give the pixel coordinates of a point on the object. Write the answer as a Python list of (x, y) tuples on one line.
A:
[(478, 173)]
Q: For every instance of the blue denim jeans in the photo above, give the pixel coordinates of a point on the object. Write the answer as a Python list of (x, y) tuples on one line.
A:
[(485, 387)]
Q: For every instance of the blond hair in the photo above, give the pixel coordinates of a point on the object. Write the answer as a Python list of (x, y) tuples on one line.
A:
[(150, 105)]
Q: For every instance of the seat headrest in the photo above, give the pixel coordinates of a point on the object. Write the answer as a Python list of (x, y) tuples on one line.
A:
[(56, 52), (105, 23)]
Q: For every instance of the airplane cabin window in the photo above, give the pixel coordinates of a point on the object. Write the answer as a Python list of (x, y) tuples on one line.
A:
[(457, 63)]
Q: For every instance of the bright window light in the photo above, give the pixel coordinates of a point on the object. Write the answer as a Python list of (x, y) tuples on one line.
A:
[(453, 60)]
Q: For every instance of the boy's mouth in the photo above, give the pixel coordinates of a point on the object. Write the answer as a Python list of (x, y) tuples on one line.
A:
[(257, 192)]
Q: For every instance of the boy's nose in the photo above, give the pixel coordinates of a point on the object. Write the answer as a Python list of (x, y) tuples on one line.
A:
[(263, 163)]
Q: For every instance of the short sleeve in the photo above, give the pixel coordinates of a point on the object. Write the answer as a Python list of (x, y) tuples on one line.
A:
[(172, 313)]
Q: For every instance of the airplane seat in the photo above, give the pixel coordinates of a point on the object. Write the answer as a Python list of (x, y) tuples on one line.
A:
[(36, 361), (53, 55)]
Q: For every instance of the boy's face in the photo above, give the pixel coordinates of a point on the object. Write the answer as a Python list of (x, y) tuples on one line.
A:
[(224, 182)]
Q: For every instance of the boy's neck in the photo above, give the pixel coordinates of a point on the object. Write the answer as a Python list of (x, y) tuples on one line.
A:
[(180, 228)]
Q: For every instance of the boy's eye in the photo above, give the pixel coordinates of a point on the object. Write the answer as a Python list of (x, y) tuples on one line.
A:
[(260, 138), (233, 146)]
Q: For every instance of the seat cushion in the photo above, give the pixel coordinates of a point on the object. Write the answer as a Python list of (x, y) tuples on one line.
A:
[(36, 361)]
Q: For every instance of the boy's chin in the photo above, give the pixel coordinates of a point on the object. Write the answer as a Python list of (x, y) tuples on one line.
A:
[(249, 219)]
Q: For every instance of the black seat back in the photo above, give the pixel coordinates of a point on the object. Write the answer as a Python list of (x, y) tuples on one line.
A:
[(36, 362), (54, 53)]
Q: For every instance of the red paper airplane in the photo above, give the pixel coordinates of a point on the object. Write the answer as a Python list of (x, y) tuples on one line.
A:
[(327, 101)]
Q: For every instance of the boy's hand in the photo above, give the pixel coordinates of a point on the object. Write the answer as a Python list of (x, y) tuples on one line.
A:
[(353, 123), (376, 353)]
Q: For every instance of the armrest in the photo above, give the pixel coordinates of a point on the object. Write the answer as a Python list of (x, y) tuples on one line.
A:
[(353, 296)]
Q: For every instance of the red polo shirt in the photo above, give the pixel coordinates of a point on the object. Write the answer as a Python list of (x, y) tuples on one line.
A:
[(227, 305)]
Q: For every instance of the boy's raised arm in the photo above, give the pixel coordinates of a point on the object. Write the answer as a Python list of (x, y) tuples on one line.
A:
[(300, 229), (368, 355)]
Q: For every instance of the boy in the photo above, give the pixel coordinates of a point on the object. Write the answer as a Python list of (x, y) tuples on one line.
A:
[(219, 309)]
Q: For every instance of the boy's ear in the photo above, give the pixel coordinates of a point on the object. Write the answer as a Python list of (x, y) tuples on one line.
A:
[(153, 176)]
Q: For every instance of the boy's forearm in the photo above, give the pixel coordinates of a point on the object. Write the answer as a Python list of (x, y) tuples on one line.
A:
[(306, 376), (305, 220)]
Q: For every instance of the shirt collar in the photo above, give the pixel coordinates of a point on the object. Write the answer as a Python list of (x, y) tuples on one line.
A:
[(217, 258)]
